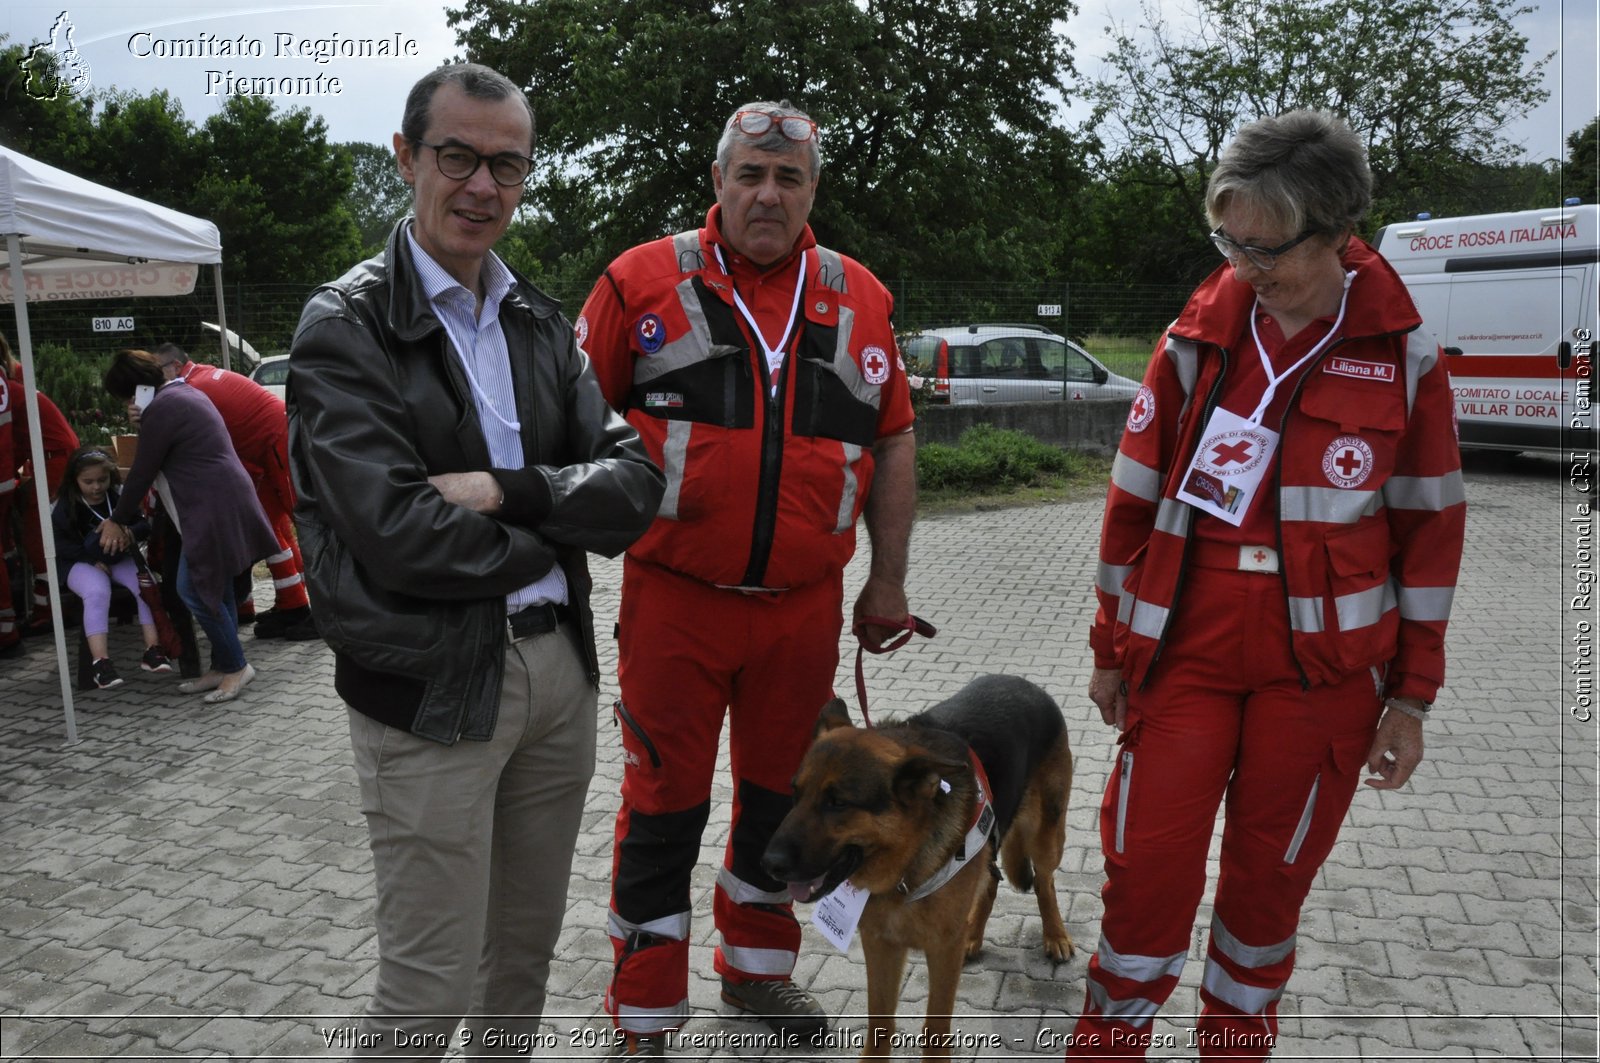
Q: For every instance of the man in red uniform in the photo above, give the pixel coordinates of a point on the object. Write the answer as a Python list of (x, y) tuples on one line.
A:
[(259, 428), (762, 373), (59, 443)]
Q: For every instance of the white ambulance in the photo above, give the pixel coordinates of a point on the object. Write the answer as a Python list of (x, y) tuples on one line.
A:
[(1513, 300)]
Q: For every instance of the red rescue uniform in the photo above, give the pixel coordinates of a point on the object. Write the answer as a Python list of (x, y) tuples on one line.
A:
[(59, 442), (732, 602), (1258, 658)]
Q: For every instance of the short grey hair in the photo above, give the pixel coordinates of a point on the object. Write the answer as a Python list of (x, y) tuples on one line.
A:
[(474, 79), (772, 140), (1306, 170)]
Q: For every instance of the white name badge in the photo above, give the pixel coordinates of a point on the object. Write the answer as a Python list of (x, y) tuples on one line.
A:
[(1225, 475), (836, 915)]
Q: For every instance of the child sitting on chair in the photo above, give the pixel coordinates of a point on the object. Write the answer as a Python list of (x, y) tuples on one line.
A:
[(88, 494)]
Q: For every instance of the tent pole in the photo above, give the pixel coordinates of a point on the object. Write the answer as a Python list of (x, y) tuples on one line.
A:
[(30, 390), (222, 315)]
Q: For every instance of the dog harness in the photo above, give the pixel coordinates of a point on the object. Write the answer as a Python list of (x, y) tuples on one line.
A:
[(975, 842)]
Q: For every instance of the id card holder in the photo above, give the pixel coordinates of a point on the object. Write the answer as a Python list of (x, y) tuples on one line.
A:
[(837, 914), (1228, 467)]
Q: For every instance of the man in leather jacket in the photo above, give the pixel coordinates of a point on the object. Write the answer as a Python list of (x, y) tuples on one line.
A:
[(454, 458)]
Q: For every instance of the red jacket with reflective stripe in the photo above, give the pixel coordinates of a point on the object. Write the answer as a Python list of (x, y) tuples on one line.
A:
[(761, 491), (1370, 505)]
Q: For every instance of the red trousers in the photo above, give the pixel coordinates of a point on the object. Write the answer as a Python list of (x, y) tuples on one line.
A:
[(1223, 719), (689, 654), (35, 526), (270, 471)]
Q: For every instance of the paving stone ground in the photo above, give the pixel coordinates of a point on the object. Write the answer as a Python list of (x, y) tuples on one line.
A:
[(194, 882)]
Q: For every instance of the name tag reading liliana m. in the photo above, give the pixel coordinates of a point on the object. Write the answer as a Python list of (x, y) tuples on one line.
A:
[(836, 915), (1225, 475)]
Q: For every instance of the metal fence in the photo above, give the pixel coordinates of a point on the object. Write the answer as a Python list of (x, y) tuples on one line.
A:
[(1116, 325), (265, 315)]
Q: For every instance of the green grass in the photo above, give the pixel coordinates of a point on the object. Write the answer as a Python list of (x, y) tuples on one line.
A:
[(1122, 354), (990, 468)]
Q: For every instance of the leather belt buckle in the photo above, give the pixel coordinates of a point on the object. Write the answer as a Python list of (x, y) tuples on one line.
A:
[(535, 620), (1258, 559)]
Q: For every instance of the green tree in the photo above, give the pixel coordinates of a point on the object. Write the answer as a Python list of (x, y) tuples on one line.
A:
[(276, 189), (378, 195), (944, 155), (1581, 175), (1428, 84)]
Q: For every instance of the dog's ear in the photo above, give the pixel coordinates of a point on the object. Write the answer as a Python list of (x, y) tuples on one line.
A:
[(833, 714), (917, 778)]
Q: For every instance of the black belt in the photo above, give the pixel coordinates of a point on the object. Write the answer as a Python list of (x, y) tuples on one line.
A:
[(536, 620)]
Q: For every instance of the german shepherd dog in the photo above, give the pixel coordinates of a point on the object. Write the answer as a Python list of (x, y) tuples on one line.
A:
[(889, 808)]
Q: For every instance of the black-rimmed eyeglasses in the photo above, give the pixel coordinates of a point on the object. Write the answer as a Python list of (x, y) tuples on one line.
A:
[(1262, 258), (459, 162), (793, 127)]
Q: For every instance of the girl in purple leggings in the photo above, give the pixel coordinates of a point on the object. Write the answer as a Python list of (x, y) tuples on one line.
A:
[(89, 492)]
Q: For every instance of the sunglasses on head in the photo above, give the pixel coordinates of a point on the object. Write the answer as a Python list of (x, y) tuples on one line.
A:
[(793, 127)]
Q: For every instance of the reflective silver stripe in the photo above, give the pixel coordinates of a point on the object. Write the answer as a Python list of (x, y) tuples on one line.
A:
[(1248, 955), (690, 258), (1422, 350), (1377, 681), (1110, 578), (1173, 517), (7, 487), (852, 486), (847, 369), (1135, 1011), (1185, 358), (830, 270), (652, 1020), (759, 961), (1249, 999), (1305, 615), (1124, 783), (674, 454), (1327, 505), (741, 892), (1426, 603), (1299, 834), (1148, 620), (1138, 968), (692, 347), (1138, 480), (1431, 493), (675, 927), (1364, 608)]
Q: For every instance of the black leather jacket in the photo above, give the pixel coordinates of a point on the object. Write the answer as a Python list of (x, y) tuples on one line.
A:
[(409, 590)]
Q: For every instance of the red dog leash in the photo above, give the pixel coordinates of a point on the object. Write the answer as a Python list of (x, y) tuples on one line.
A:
[(911, 625)]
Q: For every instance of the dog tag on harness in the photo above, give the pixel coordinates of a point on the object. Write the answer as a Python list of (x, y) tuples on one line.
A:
[(1225, 475), (837, 914)]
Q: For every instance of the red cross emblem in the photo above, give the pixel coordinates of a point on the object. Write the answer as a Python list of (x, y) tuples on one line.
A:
[(1348, 461), (1226, 452), (1139, 407), (1260, 557)]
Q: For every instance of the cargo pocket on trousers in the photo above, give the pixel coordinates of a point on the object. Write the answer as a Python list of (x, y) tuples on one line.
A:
[(620, 710), (1346, 754)]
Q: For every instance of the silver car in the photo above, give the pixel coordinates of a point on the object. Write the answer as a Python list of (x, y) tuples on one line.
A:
[(973, 364), (272, 373)]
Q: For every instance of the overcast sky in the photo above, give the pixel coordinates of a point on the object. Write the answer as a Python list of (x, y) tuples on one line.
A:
[(129, 45)]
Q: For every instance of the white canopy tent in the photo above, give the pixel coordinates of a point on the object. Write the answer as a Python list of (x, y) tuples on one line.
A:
[(70, 239)]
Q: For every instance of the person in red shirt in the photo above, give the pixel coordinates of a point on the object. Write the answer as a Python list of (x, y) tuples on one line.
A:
[(1278, 560), (761, 371), (59, 443), (259, 428)]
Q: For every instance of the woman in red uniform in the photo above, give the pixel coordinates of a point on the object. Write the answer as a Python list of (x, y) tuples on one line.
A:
[(1279, 552)]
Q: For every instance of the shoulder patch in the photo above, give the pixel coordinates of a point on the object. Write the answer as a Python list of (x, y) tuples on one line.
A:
[(875, 364), (652, 333), (1143, 410)]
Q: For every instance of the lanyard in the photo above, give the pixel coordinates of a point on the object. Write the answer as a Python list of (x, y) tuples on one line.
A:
[(774, 354), (1274, 379)]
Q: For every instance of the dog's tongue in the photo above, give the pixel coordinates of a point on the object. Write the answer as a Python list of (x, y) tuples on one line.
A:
[(802, 891)]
